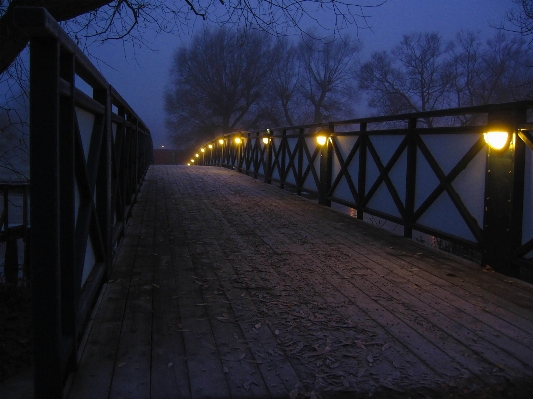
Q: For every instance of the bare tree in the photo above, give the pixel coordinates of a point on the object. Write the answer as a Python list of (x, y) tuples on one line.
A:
[(496, 71), (129, 19), (217, 83), (415, 76), (521, 18), (285, 83), (326, 76)]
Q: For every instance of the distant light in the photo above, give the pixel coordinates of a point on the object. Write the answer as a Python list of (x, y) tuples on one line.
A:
[(496, 140), (221, 141), (238, 140), (321, 140), (189, 164), (192, 160), (210, 146), (266, 140), (196, 155), (203, 150), (162, 146)]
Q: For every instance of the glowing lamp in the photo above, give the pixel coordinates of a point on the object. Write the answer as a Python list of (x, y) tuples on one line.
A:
[(192, 160), (497, 140), (210, 146), (321, 140), (203, 150), (221, 141), (238, 140), (189, 164), (265, 140)]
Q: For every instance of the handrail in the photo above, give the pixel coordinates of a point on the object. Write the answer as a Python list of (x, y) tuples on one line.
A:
[(445, 181), (88, 156)]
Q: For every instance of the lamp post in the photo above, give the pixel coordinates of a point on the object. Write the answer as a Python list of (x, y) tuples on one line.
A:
[(504, 190), (238, 143), (323, 139), (267, 141), (221, 159)]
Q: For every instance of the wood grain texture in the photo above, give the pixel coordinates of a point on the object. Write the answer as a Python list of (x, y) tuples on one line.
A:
[(229, 287)]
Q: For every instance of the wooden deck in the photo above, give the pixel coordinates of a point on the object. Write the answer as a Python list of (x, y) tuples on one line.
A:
[(229, 287)]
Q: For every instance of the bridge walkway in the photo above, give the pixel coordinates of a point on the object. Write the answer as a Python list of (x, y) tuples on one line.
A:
[(228, 287)]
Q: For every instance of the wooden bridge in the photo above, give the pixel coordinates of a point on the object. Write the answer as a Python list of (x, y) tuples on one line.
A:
[(203, 282), (228, 287)]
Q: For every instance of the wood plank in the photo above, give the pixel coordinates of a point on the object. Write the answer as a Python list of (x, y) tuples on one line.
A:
[(95, 370), (131, 374), (169, 374)]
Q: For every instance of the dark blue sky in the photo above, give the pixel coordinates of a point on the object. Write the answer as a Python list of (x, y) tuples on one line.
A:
[(142, 75)]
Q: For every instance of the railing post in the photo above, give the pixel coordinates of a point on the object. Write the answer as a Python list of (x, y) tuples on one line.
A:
[(361, 178), (257, 147), (70, 276), (410, 180), (326, 166), (104, 193), (504, 193), (299, 182), (11, 255), (45, 216), (283, 146)]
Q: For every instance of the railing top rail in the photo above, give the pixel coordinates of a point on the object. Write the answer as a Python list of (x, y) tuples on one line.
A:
[(404, 117), (440, 113), (37, 22), (14, 184)]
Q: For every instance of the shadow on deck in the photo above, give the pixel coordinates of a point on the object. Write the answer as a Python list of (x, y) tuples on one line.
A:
[(228, 287)]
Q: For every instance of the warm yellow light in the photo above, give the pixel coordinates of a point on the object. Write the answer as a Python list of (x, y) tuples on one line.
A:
[(210, 146), (196, 155), (238, 140), (265, 140), (203, 150), (162, 146), (192, 160), (496, 140), (189, 164), (221, 141), (321, 140)]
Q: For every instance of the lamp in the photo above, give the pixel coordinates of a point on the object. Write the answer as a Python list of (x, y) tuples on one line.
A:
[(192, 160), (238, 140), (266, 139), (496, 140), (321, 139), (322, 136), (196, 155), (210, 146), (497, 136), (221, 141), (203, 150)]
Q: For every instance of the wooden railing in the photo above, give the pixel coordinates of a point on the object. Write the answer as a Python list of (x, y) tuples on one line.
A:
[(13, 229), (89, 152), (444, 181)]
